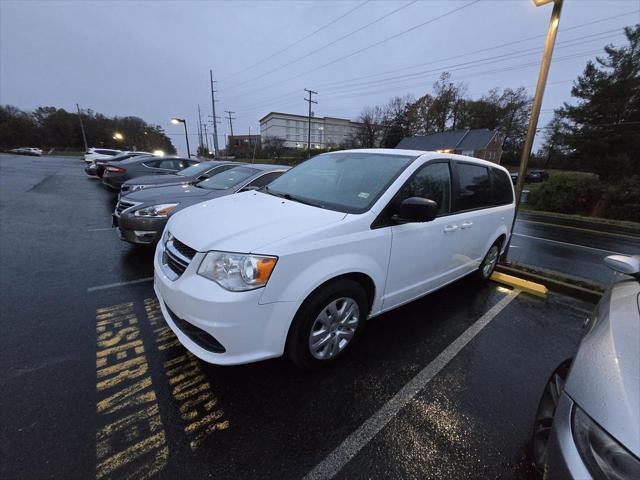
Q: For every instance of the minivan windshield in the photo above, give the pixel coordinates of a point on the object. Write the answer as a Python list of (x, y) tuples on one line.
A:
[(228, 178), (348, 182), (195, 169)]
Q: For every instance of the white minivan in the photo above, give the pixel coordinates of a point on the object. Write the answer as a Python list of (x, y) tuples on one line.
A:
[(298, 266)]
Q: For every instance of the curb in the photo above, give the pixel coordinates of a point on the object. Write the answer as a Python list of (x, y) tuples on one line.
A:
[(591, 293)]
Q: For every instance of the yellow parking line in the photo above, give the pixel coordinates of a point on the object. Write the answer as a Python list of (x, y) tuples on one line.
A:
[(198, 405), (131, 440), (533, 288)]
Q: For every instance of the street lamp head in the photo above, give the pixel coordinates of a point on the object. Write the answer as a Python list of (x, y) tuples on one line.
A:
[(177, 120), (539, 3), (118, 136)]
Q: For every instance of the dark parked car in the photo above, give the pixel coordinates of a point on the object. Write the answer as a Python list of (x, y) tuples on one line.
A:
[(190, 175), (141, 216), (116, 173), (537, 176), (96, 167)]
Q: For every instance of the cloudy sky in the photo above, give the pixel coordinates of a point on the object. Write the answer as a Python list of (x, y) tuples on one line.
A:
[(152, 58)]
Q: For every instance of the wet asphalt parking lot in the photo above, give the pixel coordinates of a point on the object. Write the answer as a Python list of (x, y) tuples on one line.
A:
[(95, 385)]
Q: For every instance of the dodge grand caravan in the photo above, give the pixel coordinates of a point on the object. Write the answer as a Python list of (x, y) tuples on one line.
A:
[(298, 266)]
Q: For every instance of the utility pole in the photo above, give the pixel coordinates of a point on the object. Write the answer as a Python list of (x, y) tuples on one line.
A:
[(310, 92), (200, 128), (206, 137), (84, 136), (535, 107), (228, 112), (213, 108)]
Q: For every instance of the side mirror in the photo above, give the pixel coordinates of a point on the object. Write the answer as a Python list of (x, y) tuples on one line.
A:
[(416, 209), (624, 264)]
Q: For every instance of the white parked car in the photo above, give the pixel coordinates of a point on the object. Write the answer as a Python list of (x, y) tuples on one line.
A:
[(299, 265), (31, 151), (94, 154)]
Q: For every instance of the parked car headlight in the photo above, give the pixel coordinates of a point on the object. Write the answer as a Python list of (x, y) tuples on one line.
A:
[(161, 210), (603, 455), (135, 188), (237, 272)]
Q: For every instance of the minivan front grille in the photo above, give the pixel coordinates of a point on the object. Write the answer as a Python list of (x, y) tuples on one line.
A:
[(177, 256)]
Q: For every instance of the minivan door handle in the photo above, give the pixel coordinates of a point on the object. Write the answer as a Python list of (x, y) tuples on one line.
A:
[(466, 224), (450, 228)]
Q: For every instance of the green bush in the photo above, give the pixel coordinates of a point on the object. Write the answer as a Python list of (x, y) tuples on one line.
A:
[(567, 192), (621, 200)]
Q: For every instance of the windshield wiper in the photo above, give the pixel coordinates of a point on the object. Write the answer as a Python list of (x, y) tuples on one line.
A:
[(288, 196)]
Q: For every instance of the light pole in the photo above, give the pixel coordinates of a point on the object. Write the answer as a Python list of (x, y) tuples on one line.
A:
[(537, 103), (176, 121)]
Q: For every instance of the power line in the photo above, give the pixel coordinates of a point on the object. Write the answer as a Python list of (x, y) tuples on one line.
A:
[(451, 68), (494, 47), (335, 20), (375, 44), (333, 42)]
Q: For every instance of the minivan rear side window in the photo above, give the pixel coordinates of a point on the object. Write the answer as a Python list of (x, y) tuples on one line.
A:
[(474, 187), (502, 191)]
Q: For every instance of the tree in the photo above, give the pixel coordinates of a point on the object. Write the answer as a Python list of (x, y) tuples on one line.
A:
[(373, 124), (273, 146), (604, 124), (553, 149)]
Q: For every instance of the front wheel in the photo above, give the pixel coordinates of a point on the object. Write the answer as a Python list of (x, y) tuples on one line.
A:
[(489, 262), (327, 324)]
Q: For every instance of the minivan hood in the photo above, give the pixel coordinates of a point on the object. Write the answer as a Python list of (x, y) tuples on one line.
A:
[(171, 193), (246, 222)]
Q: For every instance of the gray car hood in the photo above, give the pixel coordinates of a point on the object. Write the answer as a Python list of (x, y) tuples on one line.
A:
[(176, 193), (605, 376)]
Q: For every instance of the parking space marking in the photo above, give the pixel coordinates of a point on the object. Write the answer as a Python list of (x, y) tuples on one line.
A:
[(119, 284), (349, 448), (101, 229), (130, 439), (566, 243), (197, 403)]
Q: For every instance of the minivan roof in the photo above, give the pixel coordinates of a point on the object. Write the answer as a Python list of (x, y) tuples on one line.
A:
[(425, 155)]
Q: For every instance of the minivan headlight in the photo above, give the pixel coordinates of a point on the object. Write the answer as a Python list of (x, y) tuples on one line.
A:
[(237, 272), (603, 455), (161, 210)]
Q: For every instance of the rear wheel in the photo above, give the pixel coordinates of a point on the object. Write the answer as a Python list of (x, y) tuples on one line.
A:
[(490, 261), (545, 413), (327, 323)]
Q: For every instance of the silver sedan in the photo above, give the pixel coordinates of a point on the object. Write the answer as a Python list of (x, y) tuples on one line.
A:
[(588, 420)]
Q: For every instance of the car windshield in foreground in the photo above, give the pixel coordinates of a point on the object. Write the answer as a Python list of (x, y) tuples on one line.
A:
[(194, 169), (228, 179), (348, 182)]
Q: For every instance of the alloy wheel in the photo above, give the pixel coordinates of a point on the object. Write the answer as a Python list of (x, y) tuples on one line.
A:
[(334, 328), (544, 415), (490, 261)]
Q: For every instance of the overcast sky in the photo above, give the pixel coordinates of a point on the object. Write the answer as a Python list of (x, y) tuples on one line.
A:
[(152, 59)]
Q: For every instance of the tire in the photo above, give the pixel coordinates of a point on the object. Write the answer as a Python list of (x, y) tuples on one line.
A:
[(330, 332), (545, 414), (489, 262)]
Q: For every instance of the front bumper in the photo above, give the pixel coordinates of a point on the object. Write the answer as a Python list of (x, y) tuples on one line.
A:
[(247, 330), (139, 230), (563, 458), (112, 183)]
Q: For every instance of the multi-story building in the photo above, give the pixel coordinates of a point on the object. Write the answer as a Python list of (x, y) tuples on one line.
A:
[(326, 132), (243, 140)]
